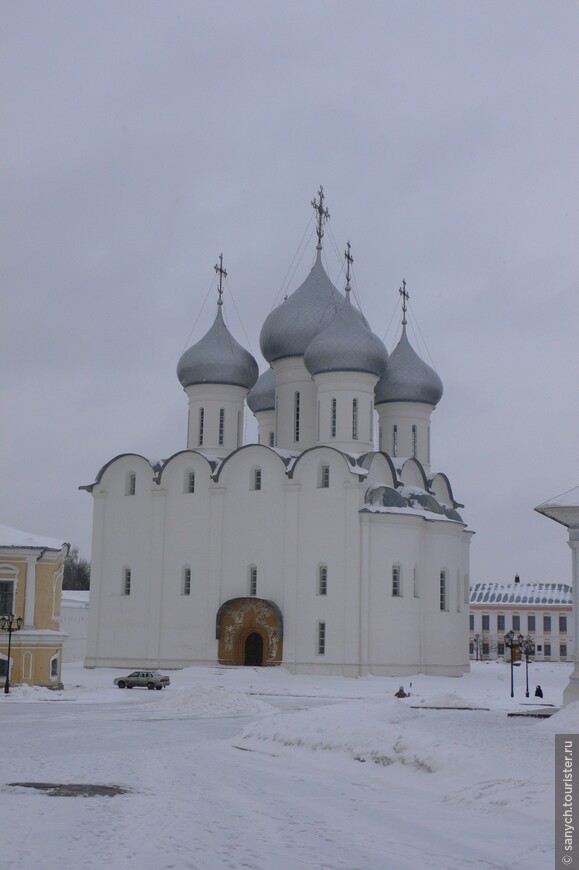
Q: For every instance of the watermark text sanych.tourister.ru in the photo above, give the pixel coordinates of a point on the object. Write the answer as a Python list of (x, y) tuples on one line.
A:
[(565, 827)]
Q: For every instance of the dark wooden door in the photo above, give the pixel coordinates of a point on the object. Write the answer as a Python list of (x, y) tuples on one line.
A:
[(254, 649)]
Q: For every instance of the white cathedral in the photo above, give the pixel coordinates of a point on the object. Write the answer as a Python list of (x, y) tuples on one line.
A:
[(315, 548)]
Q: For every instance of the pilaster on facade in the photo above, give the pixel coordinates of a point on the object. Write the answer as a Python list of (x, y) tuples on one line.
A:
[(157, 562), (30, 592), (289, 568)]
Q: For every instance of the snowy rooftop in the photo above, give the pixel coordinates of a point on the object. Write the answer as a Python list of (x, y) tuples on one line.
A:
[(522, 594), (410, 500), (75, 597), (566, 499), (16, 538)]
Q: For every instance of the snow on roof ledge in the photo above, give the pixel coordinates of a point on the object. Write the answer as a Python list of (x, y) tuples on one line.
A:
[(566, 499), (10, 537), (521, 594)]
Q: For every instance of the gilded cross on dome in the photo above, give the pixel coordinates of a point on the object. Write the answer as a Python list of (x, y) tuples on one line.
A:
[(323, 215), (222, 274), (349, 261), (405, 297)]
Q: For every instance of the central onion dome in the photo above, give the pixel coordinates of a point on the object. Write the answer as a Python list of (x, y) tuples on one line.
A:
[(346, 345), (290, 327), (262, 396), (217, 359), (407, 377)]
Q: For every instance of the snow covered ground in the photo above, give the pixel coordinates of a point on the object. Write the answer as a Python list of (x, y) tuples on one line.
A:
[(257, 768)]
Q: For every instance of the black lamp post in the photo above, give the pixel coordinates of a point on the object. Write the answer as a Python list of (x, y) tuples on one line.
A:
[(511, 642), (527, 645), (10, 623)]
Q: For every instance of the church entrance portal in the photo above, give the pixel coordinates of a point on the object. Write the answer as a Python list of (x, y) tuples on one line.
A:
[(250, 632), (254, 649)]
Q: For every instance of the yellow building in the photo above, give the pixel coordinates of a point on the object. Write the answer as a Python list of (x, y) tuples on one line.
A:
[(31, 568)]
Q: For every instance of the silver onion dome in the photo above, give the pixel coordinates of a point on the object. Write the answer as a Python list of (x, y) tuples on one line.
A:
[(217, 359), (346, 345), (262, 396), (291, 326), (407, 377)]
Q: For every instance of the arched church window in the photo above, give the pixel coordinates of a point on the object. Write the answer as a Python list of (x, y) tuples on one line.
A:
[(189, 481), (394, 440), (252, 577), (221, 426), (355, 419), (256, 478), (443, 591), (201, 432), (186, 581), (322, 580), (131, 483), (54, 667), (323, 476), (272, 439), (127, 581), (334, 417), (321, 638), (396, 584), (416, 579), (414, 440), (296, 417)]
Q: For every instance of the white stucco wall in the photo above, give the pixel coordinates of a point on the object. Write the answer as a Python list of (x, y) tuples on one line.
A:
[(405, 415), (345, 387), (287, 528), (214, 399), (74, 622), (292, 377)]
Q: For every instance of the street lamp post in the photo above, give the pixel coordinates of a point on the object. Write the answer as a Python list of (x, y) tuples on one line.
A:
[(527, 645), (10, 623), (511, 642)]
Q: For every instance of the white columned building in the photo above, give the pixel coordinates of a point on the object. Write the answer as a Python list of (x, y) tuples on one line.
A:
[(564, 509)]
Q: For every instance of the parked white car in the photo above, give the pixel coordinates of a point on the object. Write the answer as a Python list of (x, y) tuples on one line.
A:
[(150, 679)]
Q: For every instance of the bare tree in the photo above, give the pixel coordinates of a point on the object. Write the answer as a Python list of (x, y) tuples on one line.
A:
[(76, 571)]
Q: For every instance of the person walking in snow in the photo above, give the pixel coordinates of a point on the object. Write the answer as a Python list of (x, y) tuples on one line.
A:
[(538, 692)]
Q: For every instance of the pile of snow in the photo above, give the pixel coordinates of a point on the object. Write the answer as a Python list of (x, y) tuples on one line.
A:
[(446, 700), (31, 693), (202, 701), (565, 721), (382, 732)]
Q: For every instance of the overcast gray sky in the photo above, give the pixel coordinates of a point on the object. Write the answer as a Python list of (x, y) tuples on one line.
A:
[(141, 139)]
